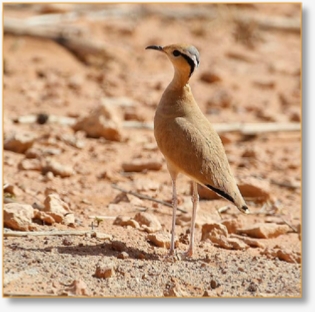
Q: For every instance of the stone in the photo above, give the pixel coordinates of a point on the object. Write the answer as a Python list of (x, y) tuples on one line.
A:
[(139, 165), (237, 244), (76, 288), (210, 230), (161, 239), (118, 246), (105, 121), (105, 271), (148, 222), (210, 77), (57, 169), (30, 164), (249, 241), (56, 207), (125, 221), (123, 255), (146, 185), (19, 142), (265, 230), (232, 225), (69, 220), (18, 216), (256, 189), (44, 217)]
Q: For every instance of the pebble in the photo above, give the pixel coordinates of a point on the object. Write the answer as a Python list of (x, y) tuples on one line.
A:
[(56, 207), (249, 241), (118, 246), (18, 216), (123, 255), (30, 164), (210, 77), (44, 217), (256, 189), (76, 288), (105, 271), (139, 165), (105, 121), (57, 169), (125, 221), (232, 225), (162, 239), (265, 230), (148, 222), (19, 142)]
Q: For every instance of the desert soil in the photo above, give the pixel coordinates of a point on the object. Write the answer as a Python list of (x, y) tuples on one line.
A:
[(250, 72)]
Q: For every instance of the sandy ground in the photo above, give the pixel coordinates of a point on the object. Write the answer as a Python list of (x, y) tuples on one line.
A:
[(249, 73)]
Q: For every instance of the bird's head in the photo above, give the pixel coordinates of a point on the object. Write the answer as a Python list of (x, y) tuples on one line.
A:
[(185, 58)]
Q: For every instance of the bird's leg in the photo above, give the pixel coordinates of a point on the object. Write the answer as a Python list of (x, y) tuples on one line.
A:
[(195, 201), (174, 202)]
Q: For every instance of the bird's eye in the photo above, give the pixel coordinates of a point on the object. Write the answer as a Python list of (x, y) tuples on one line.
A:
[(176, 53)]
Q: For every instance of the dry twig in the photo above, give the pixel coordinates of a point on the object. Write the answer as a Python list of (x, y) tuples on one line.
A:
[(147, 197)]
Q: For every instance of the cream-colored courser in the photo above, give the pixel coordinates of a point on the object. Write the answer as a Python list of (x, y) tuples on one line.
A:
[(187, 139)]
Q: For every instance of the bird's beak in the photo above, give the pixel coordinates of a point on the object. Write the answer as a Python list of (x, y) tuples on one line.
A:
[(155, 47)]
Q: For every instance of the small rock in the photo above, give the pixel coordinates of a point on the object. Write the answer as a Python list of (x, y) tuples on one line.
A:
[(214, 284), (56, 207), (125, 221), (76, 288), (44, 217), (30, 164), (288, 256), (210, 77), (118, 246), (139, 165), (58, 169), (249, 241), (123, 255), (237, 244), (105, 121), (173, 289), (18, 216), (295, 114), (103, 236), (256, 189), (232, 225), (264, 83), (69, 219), (67, 241), (75, 82), (265, 230), (252, 287), (33, 152), (148, 222), (105, 271), (146, 185), (162, 240), (210, 230), (19, 142)]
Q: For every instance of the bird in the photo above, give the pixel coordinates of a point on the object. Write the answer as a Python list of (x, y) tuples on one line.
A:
[(188, 141)]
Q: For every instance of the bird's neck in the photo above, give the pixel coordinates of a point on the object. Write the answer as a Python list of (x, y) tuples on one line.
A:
[(180, 80)]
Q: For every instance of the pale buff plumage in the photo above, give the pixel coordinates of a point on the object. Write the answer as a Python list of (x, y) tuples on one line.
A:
[(187, 139)]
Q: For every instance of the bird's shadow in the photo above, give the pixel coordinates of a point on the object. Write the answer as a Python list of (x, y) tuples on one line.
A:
[(106, 249)]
